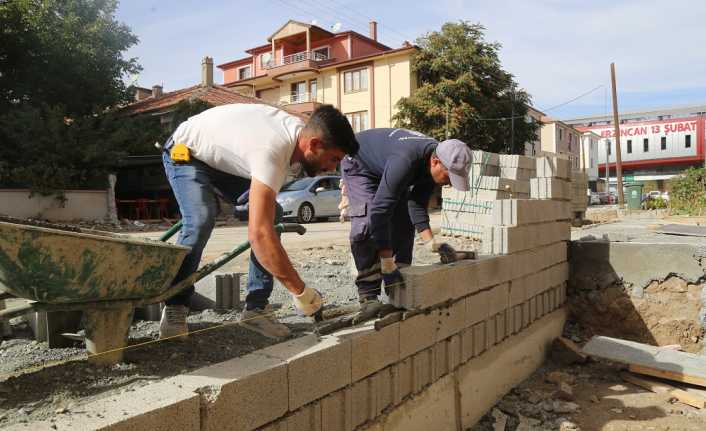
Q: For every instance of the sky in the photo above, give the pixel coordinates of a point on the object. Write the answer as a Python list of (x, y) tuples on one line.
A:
[(557, 49)]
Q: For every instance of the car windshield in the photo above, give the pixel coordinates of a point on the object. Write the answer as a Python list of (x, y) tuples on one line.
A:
[(297, 185)]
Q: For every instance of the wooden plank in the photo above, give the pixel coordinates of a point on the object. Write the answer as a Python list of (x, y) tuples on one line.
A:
[(650, 360), (660, 388), (669, 375)]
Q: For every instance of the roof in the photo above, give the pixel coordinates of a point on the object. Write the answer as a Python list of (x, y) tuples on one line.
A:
[(299, 23), (686, 110), (215, 95)]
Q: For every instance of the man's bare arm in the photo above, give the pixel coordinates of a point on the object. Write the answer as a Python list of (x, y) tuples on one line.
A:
[(264, 240)]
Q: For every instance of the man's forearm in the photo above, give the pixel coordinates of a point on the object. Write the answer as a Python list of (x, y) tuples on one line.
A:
[(271, 255)]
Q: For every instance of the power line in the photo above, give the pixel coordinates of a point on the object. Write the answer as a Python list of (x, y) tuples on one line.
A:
[(404, 37), (574, 99)]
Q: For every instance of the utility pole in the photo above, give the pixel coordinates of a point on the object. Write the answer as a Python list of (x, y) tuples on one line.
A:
[(512, 122), (607, 164), (618, 158)]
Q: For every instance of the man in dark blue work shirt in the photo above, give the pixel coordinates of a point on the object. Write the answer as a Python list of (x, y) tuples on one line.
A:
[(389, 183)]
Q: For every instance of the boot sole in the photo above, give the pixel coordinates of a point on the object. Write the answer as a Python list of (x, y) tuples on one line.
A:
[(258, 330)]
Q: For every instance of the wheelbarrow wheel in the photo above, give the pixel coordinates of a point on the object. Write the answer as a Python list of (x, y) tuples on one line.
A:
[(306, 213)]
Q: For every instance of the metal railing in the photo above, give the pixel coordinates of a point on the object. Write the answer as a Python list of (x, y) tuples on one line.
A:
[(296, 58), (301, 97)]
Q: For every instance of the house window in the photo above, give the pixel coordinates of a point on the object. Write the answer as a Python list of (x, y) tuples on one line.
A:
[(358, 120), (356, 80), (312, 90), (265, 60), (320, 53), (663, 142), (298, 92), (687, 141), (629, 146), (244, 72), (646, 145)]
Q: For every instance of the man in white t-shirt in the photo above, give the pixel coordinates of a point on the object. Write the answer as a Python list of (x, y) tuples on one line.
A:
[(225, 151)]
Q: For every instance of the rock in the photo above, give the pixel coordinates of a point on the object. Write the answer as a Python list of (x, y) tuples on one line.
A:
[(674, 284), (61, 411), (565, 352), (568, 426), (528, 424), (508, 407), (564, 392), (594, 399), (616, 410), (618, 388), (500, 420), (557, 377), (564, 407), (533, 397)]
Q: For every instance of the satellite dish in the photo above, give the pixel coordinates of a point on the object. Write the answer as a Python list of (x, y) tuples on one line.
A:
[(336, 26)]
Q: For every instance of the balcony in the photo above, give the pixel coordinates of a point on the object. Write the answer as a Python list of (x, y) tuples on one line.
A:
[(304, 103), (295, 65)]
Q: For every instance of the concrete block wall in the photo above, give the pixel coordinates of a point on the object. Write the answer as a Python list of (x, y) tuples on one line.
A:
[(579, 186)]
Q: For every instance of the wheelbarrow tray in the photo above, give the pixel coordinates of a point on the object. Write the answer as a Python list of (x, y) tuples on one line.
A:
[(61, 266)]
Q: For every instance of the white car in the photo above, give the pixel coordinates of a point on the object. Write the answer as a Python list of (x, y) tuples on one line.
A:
[(308, 199)]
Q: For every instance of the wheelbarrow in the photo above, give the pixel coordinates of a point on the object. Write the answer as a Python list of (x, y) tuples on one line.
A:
[(104, 275)]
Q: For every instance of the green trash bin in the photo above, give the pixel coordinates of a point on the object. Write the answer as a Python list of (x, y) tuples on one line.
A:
[(634, 196)]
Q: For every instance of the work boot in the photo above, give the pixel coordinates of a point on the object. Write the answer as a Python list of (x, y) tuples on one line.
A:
[(369, 309), (264, 322), (173, 322)]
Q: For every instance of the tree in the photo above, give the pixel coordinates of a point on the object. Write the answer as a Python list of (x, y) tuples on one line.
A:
[(65, 53), (465, 93), (61, 69)]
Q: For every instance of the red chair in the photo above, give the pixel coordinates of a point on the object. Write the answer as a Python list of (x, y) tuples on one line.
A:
[(163, 207), (142, 211)]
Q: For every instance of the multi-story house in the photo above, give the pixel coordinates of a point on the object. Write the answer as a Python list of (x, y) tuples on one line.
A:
[(304, 65), (560, 138)]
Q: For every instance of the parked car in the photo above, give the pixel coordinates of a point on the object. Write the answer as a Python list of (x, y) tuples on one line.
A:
[(665, 196), (308, 199), (654, 194), (605, 198), (594, 199)]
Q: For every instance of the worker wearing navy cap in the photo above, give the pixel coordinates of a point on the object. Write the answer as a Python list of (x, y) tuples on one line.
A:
[(389, 183)]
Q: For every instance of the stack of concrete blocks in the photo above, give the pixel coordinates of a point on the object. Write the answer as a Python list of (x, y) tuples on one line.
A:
[(493, 177), (579, 198), (444, 364)]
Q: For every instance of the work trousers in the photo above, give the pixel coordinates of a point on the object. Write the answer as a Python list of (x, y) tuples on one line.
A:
[(196, 187), (361, 187)]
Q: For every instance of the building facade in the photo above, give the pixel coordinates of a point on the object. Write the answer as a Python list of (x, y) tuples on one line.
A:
[(655, 145), (588, 161), (535, 145), (303, 66), (560, 138)]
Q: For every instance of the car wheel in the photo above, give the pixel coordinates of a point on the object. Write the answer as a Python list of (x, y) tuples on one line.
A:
[(305, 213)]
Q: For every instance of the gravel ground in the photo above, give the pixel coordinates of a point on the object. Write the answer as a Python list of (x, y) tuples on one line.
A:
[(34, 387)]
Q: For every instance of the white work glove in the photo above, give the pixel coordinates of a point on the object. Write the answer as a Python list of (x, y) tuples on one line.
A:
[(308, 302)]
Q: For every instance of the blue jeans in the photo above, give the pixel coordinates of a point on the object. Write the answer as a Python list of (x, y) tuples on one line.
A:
[(195, 186)]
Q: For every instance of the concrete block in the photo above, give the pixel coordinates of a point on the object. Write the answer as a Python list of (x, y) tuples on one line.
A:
[(383, 390), (517, 161), (451, 320), (492, 270), (526, 320), (455, 351), (483, 380), (371, 350), (508, 323), (430, 285), (552, 166), (159, 407), (441, 360), (498, 298), (517, 319), (279, 425), (518, 291), (417, 333), (362, 402), (257, 384), (467, 346), (337, 410), (532, 309), (485, 158), (491, 329), (476, 307), (479, 338), (404, 378), (306, 418), (316, 367), (500, 326), (422, 369)]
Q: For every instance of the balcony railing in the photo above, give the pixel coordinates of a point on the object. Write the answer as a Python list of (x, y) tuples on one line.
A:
[(296, 58), (301, 98)]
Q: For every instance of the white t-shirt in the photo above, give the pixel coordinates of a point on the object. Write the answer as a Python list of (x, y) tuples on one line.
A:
[(246, 140)]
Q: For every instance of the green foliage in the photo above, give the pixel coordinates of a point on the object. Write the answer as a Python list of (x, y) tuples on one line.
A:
[(656, 204), (688, 192), (461, 79), (65, 53), (61, 68)]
